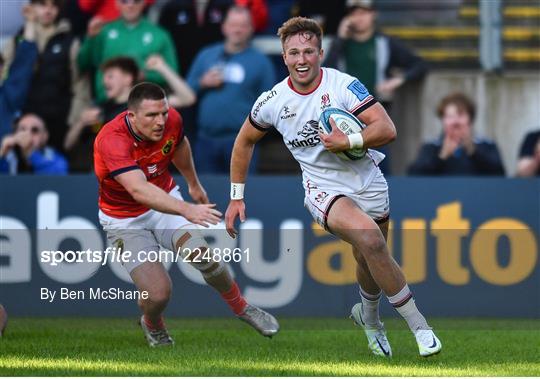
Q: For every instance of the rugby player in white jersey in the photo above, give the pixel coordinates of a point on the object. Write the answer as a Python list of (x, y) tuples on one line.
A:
[(347, 198)]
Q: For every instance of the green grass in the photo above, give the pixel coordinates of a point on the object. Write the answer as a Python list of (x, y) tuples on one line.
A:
[(226, 347)]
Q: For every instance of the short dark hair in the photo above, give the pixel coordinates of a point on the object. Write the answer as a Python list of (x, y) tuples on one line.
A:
[(125, 64), (144, 91), (461, 101), (308, 27)]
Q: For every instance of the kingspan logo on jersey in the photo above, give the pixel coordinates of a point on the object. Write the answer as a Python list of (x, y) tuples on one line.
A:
[(309, 135)]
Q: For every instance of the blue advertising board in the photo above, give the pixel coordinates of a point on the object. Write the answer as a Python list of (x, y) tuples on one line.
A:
[(464, 244)]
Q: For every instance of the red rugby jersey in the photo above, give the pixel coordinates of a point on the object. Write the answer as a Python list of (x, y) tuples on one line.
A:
[(117, 149)]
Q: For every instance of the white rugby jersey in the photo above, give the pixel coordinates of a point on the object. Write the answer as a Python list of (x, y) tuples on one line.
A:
[(296, 116)]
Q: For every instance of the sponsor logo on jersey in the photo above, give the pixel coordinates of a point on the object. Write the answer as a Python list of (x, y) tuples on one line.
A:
[(286, 113), (166, 149), (358, 90), (262, 102), (152, 169), (309, 135), (325, 101)]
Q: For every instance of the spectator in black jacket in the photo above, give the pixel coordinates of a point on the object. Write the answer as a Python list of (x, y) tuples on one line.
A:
[(457, 152), (54, 80), (14, 89), (381, 63), (529, 155)]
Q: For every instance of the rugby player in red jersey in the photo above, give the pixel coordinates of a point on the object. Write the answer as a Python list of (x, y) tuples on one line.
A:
[(141, 208)]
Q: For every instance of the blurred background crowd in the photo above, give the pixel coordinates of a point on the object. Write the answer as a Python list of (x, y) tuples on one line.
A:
[(460, 78)]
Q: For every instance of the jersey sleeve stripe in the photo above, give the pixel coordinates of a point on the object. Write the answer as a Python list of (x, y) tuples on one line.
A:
[(124, 169), (368, 102), (257, 125)]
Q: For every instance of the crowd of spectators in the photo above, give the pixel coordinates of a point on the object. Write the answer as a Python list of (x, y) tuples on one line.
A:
[(69, 68)]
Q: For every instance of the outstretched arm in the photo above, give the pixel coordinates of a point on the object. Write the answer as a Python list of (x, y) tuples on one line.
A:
[(240, 160), (154, 197), (183, 95)]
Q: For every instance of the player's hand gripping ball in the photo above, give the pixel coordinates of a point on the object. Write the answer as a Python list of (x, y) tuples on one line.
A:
[(348, 124)]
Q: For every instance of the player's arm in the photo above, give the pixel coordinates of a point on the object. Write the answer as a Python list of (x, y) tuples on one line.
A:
[(240, 160), (379, 131), (146, 193), (183, 161), (243, 150)]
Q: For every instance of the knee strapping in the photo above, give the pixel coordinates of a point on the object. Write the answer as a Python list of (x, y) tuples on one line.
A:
[(194, 249), (213, 269)]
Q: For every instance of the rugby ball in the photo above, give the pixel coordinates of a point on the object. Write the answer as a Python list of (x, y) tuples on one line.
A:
[(348, 124)]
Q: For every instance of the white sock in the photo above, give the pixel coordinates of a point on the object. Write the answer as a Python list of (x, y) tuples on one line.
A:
[(370, 307), (403, 302)]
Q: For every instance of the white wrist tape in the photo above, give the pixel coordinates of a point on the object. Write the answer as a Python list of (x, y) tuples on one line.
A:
[(356, 141), (237, 191)]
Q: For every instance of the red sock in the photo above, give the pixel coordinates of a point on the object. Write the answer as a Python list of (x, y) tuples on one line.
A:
[(234, 298), (159, 325)]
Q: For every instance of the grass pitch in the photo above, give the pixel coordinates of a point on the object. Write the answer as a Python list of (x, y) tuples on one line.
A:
[(227, 347)]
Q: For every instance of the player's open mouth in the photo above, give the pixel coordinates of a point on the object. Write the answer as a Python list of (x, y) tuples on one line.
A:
[(302, 71)]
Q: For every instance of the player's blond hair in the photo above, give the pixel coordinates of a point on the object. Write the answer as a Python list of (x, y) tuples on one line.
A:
[(307, 27)]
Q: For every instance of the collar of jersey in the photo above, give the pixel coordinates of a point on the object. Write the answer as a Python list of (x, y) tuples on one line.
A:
[(289, 82), (130, 128)]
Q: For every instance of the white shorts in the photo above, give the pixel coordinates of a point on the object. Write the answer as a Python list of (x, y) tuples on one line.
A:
[(374, 201), (146, 232)]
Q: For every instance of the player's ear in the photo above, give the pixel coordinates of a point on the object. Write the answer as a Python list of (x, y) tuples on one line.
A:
[(130, 114)]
